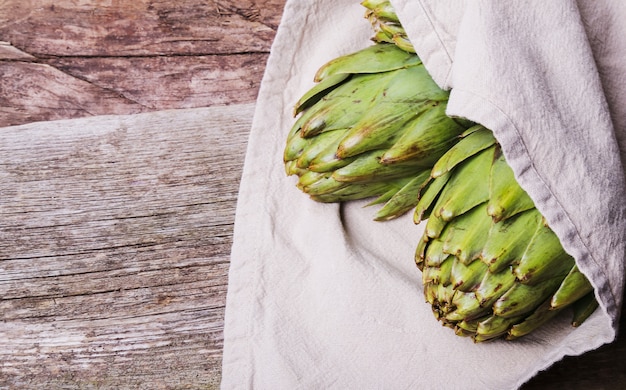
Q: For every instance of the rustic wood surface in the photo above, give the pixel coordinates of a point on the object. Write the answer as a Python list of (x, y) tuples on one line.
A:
[(115, 242), (114, 247), (66, 59)]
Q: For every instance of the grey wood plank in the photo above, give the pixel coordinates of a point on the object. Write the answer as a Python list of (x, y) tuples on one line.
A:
[(115, 236)]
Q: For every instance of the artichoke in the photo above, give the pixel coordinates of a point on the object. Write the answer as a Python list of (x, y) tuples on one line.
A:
[(372, 126), (375, 126), (386, 24), (491, 266)]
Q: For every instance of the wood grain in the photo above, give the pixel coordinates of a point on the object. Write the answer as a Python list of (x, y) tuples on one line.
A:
[(116, 236), (67, 59)]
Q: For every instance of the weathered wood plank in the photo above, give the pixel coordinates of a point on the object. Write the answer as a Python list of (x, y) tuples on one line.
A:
[(10, 52), (115, 28), (32, 92), (70, 59), (71, 88), (164, 82), (115, 237)]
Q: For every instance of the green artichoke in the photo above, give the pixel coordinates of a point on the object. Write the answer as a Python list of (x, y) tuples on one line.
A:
[(374, 125), (386, 25), (491, 266)]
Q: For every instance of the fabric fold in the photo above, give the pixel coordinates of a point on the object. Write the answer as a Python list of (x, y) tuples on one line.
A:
[(529, 74), (320, 296)]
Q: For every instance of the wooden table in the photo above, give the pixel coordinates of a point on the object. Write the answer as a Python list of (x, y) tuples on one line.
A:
[(113, 266)]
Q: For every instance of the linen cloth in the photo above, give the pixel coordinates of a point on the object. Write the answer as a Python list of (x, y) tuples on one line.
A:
[(322, 297)]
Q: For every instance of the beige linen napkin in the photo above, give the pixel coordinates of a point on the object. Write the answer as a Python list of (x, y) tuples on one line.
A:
[(320, 296)]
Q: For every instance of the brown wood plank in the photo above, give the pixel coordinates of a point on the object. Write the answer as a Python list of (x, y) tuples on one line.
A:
[(165, 82), (115, 236), (10, 52), (64, 88), (63, 59), (32, 92), (144, 27)]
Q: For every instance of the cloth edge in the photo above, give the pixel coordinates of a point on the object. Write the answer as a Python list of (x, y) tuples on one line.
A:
[(468, 105), (426, 39)]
